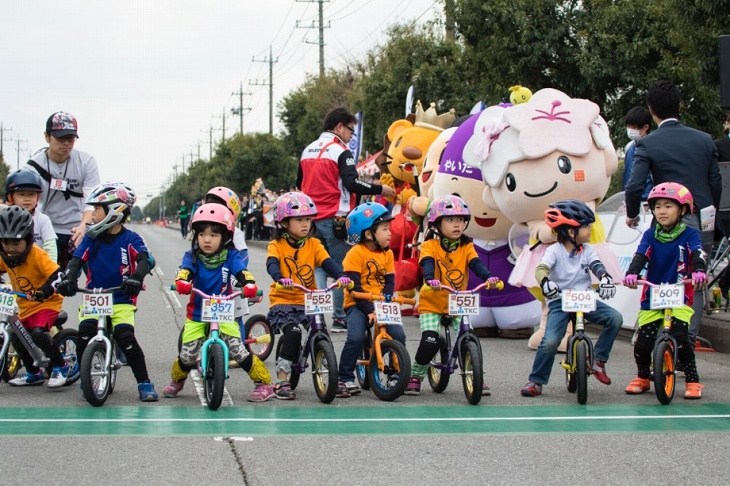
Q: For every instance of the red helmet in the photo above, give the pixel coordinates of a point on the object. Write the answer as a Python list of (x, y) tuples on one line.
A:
[(674, 191)]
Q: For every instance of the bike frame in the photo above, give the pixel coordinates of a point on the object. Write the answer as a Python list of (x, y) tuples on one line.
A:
[(11, 323), (104, 329), (317, 329), (578, 336), (214, 333)]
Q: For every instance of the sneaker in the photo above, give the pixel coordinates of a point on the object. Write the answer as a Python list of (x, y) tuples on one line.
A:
[(175, 387), (486, 391), (283, 391), (532, 389), (342, 391), (261, 393), (28, 379), (694, 391), (353, 388), (599, 371), (59, 376), (147, 392), (414, 386), (638, 386), (339, 325)]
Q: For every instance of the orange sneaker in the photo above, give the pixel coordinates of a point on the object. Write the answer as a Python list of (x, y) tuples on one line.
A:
[(694, 391), (638, 386)]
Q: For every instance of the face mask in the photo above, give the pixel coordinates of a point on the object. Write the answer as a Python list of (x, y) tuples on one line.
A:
[(633, 133)]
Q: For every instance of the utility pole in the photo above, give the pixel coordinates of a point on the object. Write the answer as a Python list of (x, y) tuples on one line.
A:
[(321, 32), (2, 137), (19, 142), (449, 20), (271, 62), (239, 111)]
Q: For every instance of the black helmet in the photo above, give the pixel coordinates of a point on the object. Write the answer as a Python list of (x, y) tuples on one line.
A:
[(23, 180), (16, 223)]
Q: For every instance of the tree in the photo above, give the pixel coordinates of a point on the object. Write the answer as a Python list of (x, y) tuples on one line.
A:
[(4, 171)]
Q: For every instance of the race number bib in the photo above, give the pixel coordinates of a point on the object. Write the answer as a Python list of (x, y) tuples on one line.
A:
[(318, 303), (98, 305), (463, 304), (579, 300), (7, 304), (388, 313), (58, 184), (217, 310), (667, 296)]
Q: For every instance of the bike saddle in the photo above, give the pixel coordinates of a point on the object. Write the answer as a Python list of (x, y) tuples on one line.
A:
[(61, 319)]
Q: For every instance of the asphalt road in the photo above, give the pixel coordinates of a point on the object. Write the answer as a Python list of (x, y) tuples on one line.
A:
[(55, 437)]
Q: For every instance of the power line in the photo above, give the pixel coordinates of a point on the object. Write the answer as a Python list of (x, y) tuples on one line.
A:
[(321, 32)]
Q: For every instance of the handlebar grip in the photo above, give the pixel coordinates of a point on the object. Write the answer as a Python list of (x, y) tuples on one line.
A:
[(500, 285)]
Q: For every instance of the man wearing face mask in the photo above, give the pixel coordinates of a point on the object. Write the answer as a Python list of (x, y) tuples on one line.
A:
[(638, 125)]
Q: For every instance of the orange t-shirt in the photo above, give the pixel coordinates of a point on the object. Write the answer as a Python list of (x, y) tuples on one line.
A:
[(372, 267), (31, 276), (297, 264), (452, 269)]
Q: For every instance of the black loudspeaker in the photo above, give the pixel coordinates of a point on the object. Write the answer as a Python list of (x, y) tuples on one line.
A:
[(725, 71)]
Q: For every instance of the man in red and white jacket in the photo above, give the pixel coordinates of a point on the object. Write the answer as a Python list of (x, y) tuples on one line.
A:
[(327, 175)]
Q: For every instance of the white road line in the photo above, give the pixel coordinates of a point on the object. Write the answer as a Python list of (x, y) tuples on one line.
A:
[(374, 419), (200, 391), (159, 271), (173, 297)]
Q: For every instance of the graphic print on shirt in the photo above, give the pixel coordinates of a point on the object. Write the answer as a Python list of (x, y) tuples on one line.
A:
[(305, 273), (455, 277), (23, 284), (375, 276), (129, 261)]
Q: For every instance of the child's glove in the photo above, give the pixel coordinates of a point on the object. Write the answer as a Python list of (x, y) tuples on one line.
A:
[(606, 288), (250, 291), (434, 284), (492, 282), (287, 283), (699, 279), (183, 287), (630, 281), (549, 288), (67, 288), (40, 295), (132, 286), (343, 282)]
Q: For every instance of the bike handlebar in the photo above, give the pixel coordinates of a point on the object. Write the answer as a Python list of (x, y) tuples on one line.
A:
[(498, 286), (372, 297), (8, 290), (651, 284), (307, 290), (259, 294), (100, 290)]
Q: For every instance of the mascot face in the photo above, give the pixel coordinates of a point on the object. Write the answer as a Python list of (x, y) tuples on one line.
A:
[(432, 161), (409, 145), (454, 176), (551, 148)]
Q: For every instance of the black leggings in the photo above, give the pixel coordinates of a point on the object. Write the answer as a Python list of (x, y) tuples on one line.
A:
[(645, 345)]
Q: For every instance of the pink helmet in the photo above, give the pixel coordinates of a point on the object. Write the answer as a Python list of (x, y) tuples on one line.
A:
[(214, 213), (292, 205), (674, 191), (227, 197), (447, 206)]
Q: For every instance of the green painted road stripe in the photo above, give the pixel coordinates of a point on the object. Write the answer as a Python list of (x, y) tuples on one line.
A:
[(159, 421)]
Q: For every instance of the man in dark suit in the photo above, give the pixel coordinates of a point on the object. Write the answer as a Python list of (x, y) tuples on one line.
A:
[(676, 153)]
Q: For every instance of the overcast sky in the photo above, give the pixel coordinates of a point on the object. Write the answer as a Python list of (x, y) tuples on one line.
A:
[(146, 80)]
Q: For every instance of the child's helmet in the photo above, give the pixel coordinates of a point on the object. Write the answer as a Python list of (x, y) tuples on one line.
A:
[(117, 199), (570, 212), (293, 205), (23, 180), (227, 197), (447, 206), (16, 223), (213, 213), (674, 191), (363, 218)]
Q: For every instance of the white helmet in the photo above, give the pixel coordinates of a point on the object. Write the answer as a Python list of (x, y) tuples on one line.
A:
[(117, 199)]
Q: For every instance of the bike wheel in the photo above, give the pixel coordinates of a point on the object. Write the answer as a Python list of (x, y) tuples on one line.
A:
[(438, 378), (324, 370), (3, 360), (114, 367), (581, 371), (294, 375), (10, 364), (95, 377), (66, 341), (664, 372), (390, 383), (214, 376), (179, 341), (361, 370), (257, 326), (472, 373)]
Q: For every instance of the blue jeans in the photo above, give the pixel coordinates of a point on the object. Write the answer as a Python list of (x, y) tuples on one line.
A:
[(337, 249), (357, 324), (557, 324)]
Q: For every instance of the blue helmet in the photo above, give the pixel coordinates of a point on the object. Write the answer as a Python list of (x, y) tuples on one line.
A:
[(363, 218), (23, 180)]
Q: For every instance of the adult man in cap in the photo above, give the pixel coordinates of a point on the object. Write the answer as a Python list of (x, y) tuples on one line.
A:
[(67, 178)]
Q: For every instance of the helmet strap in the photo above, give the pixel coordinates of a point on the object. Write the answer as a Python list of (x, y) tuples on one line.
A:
[(294, 242)]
